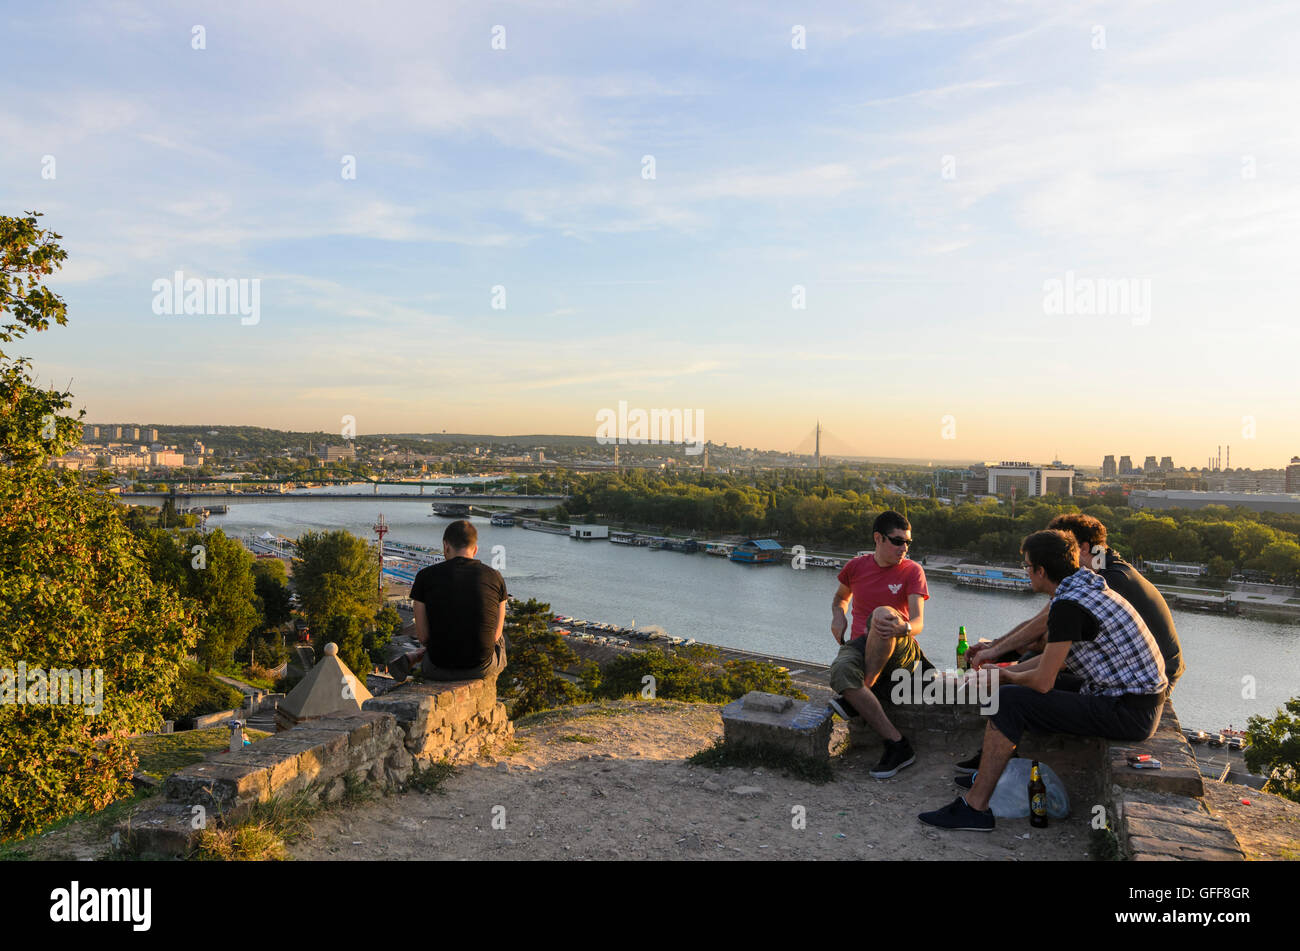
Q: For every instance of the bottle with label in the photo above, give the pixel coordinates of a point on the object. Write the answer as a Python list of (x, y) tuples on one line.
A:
[(1037, 798), (963, 660)]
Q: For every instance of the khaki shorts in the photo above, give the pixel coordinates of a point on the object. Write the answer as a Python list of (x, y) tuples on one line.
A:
[(848, 670)]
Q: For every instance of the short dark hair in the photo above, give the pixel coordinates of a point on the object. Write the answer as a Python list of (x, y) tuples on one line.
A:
[(460, 535), (1088, 530), (890, 521), (1055, 552)]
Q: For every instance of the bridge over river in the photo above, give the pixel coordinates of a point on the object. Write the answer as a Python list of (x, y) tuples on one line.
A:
[(243, 497)]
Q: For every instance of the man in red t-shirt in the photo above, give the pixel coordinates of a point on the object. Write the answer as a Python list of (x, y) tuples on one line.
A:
[(888, 592)]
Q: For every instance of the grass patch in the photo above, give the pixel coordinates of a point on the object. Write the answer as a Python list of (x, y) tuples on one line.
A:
[(263, 835), (430, 779), (577, 738), (721, 754), (1104, 845), (163, 754), (357, 791)]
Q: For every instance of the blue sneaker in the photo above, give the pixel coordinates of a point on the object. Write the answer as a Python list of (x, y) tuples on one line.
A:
[(960, 816)]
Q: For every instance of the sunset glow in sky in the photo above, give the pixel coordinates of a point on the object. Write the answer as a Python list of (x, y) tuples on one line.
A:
[(652, 191)]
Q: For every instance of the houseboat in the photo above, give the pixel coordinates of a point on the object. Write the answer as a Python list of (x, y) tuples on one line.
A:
[(536, 525), (822, 561), (587, 533), (758, 551), (452, 509), (999, 579)]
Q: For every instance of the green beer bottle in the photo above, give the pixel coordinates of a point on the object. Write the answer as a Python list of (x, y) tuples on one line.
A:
[(962, 662)]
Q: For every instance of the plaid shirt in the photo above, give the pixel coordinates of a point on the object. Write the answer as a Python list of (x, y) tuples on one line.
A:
[(1124, 657)]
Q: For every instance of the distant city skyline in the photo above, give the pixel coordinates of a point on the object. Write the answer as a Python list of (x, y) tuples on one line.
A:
[(955, 230), (962, 460)]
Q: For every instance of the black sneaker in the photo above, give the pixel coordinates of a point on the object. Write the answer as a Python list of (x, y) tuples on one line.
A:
[(844, 709), (960, 816), (966, 781), (897, 755), (969, 765)]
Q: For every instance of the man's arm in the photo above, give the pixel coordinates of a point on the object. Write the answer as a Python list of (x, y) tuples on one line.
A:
[(1018, 638), (916, 613), (501, 617), (421, 623), (839, 605), (1042, 677)]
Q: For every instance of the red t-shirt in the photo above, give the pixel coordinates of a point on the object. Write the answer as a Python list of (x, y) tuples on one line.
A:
[(873, 586)]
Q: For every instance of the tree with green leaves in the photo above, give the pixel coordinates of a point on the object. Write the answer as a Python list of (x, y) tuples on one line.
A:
[(336, 575), (1273, 750), (74, 592), (271, 585), (535, 659)]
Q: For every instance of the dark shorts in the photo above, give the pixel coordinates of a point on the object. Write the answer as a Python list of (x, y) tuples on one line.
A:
[(1131, 717), (494, 666), (848, 669)]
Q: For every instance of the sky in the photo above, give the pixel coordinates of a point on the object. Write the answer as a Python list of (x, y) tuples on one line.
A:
[(507, 217)]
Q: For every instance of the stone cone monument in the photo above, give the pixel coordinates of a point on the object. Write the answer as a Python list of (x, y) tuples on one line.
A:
[(329, 688)]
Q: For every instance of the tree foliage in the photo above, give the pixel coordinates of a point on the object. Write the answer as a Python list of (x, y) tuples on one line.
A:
[(535, 658), (1274, 750), (75, 591)]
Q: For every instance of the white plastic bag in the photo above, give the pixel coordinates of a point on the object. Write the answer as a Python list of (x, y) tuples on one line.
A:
[(1010, 798)]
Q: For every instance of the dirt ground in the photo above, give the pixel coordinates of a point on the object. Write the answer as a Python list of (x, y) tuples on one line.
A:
[(1267, 828), (610, 782)]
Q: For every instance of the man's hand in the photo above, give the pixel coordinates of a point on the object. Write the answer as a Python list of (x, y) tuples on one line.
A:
[(839, 625), (983, 652), (887, 622)]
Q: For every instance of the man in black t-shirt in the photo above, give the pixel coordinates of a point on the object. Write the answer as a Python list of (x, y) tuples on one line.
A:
[(460, 613)]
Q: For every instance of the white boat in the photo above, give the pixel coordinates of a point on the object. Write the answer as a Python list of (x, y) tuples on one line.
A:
[(719, 548)]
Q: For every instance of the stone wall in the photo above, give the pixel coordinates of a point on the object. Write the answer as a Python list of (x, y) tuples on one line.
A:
[(381, 744)]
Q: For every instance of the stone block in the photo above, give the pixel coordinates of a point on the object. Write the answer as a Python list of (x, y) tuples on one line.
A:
[(360, 727), (1177, 833), (164, 831), (803, 729), (1142, 847), (766, 702), (281, 768), (218, 787), (321, 754)]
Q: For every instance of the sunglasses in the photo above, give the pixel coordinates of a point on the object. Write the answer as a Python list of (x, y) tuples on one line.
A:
[(898, 541)]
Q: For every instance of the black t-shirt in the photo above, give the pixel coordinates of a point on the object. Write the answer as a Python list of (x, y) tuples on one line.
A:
[(1070, 621), (462, 599), (1124, 580)]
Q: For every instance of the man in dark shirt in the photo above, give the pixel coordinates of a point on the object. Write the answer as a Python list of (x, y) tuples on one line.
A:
[(1121, 577), (460, 612)]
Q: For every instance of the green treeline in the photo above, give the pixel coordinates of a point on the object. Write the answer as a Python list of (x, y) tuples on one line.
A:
[(835, 510)]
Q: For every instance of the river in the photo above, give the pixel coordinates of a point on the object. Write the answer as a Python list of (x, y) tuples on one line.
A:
[(1236, 667)]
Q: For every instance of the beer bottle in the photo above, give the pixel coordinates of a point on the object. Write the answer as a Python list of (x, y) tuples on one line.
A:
[(963, 663), (1037, 798)]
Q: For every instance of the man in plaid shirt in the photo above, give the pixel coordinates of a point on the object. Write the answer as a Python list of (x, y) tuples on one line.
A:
[(1091, 632)]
